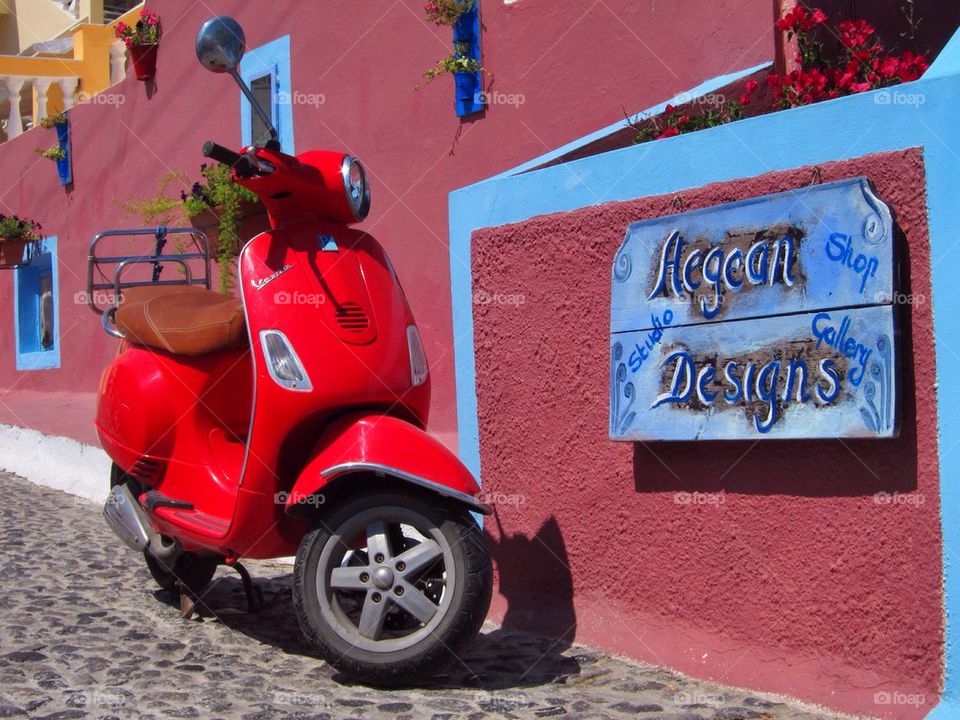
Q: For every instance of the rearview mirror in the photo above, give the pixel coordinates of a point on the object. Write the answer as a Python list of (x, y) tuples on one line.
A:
[(220, 48), (221, 44)]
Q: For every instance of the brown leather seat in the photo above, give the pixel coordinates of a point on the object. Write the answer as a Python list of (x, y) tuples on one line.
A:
[(181, 319)]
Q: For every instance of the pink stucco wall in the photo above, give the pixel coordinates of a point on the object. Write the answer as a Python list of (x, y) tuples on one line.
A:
[(364, 59), (787, 575)]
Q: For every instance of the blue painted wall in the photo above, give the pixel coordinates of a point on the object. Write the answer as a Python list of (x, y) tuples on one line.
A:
[(920, 114)]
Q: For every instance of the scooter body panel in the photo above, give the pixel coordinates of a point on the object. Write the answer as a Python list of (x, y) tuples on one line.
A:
[(228, 437), (361, 444)]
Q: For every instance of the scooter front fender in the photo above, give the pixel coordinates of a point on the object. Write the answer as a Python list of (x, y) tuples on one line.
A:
[(360, 445)]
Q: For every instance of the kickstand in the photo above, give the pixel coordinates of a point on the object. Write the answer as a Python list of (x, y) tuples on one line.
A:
[(250, 590)]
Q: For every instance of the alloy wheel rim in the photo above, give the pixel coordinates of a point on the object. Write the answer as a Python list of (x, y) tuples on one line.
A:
[(385, 579)]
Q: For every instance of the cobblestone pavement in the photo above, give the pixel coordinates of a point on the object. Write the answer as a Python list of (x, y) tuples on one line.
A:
[(83, 633)]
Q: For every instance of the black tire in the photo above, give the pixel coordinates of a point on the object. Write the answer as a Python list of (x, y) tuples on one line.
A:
[(194, 571), (461, 596)]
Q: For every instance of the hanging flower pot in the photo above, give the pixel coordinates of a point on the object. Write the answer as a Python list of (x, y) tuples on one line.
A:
[(64, 167), (17, 238), (467, 84), (142, 40), (144, 58), (12, 252)]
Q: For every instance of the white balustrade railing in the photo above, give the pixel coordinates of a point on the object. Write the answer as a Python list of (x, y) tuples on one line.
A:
[(11, 93)]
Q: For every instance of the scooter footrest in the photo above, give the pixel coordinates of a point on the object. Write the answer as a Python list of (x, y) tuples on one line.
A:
[(154, 500)]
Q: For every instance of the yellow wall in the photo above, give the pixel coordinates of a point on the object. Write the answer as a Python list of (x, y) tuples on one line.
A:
[(35, 21), (90, 61)]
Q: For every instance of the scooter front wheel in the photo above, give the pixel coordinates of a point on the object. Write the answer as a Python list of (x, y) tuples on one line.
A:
[(389, 586)]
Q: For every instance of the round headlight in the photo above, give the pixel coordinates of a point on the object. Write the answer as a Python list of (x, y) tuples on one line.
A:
[(356, 188)]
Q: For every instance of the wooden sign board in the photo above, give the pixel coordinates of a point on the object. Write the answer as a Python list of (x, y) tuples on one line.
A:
[(766, 318)]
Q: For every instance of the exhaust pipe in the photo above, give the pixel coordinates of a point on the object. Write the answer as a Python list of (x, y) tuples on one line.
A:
[(130, 523)]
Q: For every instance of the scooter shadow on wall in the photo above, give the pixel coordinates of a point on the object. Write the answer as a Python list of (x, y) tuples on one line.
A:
[(534, 578), (843, 467)]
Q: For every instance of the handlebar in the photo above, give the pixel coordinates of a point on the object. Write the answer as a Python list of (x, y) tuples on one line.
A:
[(226, 156)]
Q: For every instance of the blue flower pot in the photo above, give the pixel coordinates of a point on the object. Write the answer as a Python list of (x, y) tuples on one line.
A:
[(466, 84), (64, 167)]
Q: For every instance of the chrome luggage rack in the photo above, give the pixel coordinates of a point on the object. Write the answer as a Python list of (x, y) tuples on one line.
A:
[(98, 277)]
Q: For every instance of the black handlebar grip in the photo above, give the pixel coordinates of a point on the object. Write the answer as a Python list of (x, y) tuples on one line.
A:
[(222, 155), (241, 163)]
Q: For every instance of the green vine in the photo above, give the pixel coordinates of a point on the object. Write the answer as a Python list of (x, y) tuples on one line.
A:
[(51, 121), (53, 153), (218, 193), (163, 208), (460, 61), (215, 192)]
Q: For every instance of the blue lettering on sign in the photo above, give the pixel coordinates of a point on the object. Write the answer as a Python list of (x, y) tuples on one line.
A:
[(840, 250), (769, 260), (838, 338), (641, 353), (751, 383)]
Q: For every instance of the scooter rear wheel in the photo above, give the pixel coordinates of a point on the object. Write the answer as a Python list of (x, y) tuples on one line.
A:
[(192, 571), (390, 585)]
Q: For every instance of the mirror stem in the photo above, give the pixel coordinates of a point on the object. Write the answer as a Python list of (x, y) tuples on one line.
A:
[(255, 104)]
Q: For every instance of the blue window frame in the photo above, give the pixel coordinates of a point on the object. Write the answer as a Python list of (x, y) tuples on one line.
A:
[(266, 69), (36, 310)]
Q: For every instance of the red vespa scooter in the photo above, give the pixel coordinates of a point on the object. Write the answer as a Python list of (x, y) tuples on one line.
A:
[(290, 419)]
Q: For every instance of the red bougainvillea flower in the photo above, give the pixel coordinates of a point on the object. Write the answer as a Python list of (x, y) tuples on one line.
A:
[(751, 87), (855, 33), (818, 17), (800, 19), (912, 67), (668, 132)]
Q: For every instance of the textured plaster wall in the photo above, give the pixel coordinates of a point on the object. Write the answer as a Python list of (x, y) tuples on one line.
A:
[(793, 578), (354, 67)]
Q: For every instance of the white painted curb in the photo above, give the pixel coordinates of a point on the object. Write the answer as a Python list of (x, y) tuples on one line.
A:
[(55, 462)]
